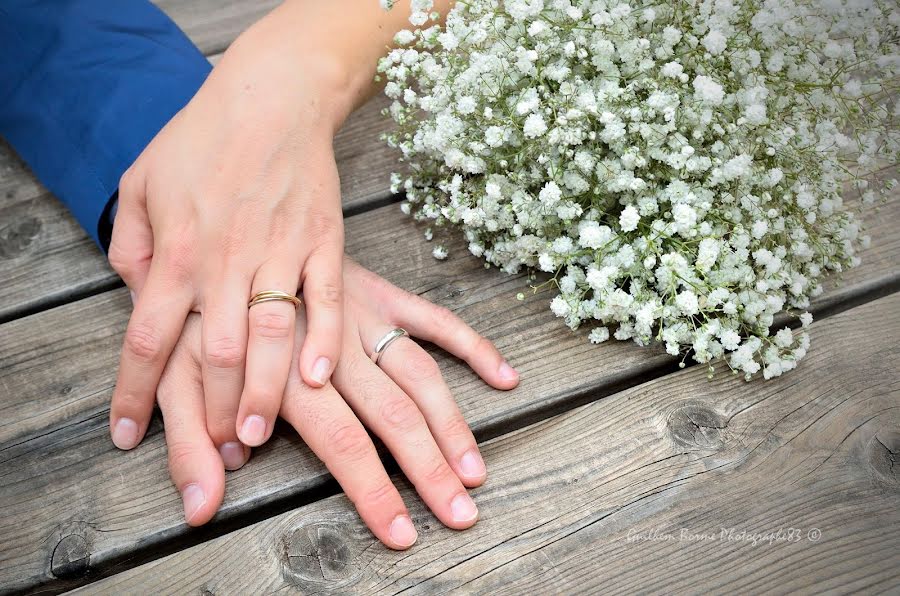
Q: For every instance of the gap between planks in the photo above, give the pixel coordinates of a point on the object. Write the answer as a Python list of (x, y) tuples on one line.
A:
[(622, 365), (583, 502)]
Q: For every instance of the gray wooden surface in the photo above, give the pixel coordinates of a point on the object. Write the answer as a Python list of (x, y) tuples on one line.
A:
[(660, 488), (673, 449)]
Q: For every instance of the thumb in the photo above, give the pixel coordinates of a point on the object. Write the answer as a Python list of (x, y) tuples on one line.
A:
[(131, 248)]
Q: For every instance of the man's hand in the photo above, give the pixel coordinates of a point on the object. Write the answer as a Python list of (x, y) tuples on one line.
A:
[(404, 400)]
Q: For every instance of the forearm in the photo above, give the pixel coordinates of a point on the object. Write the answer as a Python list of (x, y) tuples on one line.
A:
[(329, 47)]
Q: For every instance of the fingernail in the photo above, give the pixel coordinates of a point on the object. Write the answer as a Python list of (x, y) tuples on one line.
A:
[(193, 498), (232, 455), (321, 369), (471, 464), (133, 297), (507, 373), (463, 508), (253, 431), (125, 434), (403, 533)]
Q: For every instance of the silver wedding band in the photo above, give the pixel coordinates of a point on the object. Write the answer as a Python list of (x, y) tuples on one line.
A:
[(385, 341)]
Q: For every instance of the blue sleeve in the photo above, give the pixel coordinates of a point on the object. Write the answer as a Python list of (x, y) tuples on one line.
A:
[(85, 85)]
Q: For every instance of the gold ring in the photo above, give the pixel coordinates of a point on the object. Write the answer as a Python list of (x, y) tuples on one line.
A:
[(269, 295)]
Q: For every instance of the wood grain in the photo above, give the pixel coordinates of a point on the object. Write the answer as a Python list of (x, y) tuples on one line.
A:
[(58, 467), (660, 488), (213, 24)]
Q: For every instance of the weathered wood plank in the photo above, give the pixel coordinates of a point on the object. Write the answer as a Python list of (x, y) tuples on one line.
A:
[(213, 24), (47, 259), (631, 494), (58, 467)]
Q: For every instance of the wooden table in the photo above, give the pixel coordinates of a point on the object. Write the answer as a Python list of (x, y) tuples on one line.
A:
[(609, 468)]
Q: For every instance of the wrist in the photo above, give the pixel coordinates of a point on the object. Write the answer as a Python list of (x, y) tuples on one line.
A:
[(288, 64), (258, 81)]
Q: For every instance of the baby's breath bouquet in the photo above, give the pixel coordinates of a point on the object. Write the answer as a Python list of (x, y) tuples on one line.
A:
[(677, 167)]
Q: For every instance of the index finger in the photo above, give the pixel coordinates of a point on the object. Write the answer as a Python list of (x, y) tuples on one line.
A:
[(152, 332)]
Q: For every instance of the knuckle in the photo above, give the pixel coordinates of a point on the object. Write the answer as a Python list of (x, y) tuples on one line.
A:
[(184, 454), (264, 397), (481, 344), (437, 472), (322, 226), (122, 263), (234, 242), (327, 294), (144, 341), (380, 495), (420, 366), (220, 426), (224, 352), (273, 325), (349, 442), (456, 427), (443, 317), (178, 261), (401, 413), (128, 183)]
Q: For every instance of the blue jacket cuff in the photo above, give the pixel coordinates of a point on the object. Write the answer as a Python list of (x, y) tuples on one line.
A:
[(85, 85)]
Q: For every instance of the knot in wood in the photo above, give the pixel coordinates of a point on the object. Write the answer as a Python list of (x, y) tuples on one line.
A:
[(17, 236), (318, 553), (697, 426), (883, 455), (454, 292), (71, 557)]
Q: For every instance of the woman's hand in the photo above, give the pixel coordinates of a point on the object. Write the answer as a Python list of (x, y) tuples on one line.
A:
[(239, 193), (403, 400)]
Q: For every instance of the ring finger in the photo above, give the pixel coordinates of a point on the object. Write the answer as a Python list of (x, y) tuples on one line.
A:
[(418, 375), (269, 350)]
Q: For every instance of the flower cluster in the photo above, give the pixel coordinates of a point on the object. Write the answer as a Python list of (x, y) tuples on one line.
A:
[(677, 167)]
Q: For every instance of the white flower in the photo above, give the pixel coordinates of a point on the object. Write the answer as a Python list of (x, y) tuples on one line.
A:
[(756, 114), (550, 194), (439, 253), (559, 306), (598, 335), (708, 91), (714, 42), (595, 141), (534, 126), (404, 37), (592, 235), (687, 302), (730, 339), (546, 262), (629, 218), (707, 253), (672, 70)]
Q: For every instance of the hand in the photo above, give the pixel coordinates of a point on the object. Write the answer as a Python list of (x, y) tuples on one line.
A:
[(403, 400), (239, 193)]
